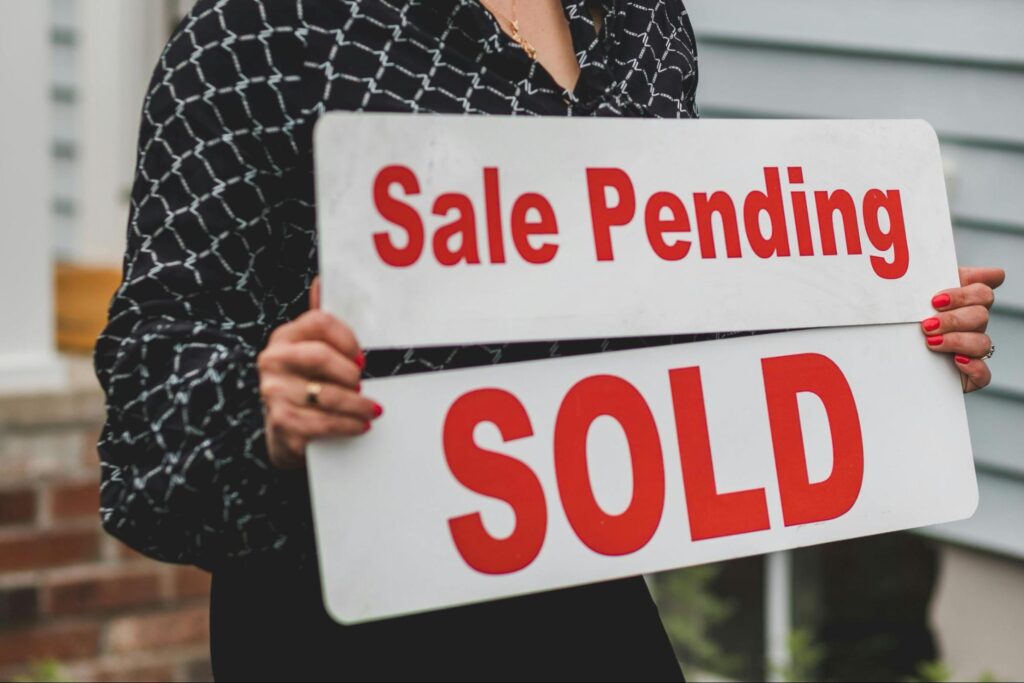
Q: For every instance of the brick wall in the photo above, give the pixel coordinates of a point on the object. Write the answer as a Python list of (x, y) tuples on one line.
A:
[(69, 593)]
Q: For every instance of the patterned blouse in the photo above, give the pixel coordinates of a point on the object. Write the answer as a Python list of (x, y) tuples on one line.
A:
[(222, 232)]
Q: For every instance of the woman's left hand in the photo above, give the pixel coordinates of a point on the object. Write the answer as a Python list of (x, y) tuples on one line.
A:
[(960, 326)]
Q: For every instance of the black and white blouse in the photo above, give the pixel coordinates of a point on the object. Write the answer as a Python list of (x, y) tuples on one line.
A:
[(222, 234)]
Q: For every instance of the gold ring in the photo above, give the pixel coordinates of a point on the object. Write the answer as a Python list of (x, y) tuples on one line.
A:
[(313, 390)]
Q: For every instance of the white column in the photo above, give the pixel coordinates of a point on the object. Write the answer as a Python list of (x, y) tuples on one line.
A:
[(119, 43), (28, 359), (778, 620)]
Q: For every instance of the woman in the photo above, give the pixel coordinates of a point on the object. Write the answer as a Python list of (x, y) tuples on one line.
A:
[(210, 348)]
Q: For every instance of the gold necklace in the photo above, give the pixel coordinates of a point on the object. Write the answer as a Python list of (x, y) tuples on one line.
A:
[(522, 42)]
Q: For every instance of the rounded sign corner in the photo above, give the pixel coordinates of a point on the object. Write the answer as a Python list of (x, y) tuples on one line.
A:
[(338, 613), (971, 507), (927, 130)]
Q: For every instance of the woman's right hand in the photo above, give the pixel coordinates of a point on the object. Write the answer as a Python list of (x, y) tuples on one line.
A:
[(314, 348)]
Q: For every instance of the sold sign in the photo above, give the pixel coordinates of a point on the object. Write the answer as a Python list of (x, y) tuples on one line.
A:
[(503, 480), (498, 481), (711, 514)]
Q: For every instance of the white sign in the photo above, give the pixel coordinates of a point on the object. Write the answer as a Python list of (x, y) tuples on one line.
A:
[(454, 230), (498, 481)]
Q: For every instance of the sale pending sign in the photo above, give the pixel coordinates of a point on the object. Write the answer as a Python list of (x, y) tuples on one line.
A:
[(439, 230), (502, 480)]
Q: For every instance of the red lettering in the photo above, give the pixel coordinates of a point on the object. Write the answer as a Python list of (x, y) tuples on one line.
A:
[(492, 199), (677, 222), (770, 202), (603, 217), (585, 402), (399, 213), (712, 514), (463, 227), (720, 203), (495, 475), (802, 501), (523, 229), (895, 239), (803, 222), (828, 204), (613, 203)]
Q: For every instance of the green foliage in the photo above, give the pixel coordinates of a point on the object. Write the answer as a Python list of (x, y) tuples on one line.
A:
[(48, 671), (939, 672), (690, 609), (805, 656), (931, 672)]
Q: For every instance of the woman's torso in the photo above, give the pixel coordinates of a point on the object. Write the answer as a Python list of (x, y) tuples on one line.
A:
[(297, 60), (300, 59)]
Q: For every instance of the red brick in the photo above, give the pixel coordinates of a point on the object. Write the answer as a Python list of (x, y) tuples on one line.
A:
[(17, 507), (18, 605), (113, 590), (90, 455), (76, 500), (180, 627), (38, 456), (126, 674), (190, 582), (126, 553), (200, 670), (41, 550), (57, 642)]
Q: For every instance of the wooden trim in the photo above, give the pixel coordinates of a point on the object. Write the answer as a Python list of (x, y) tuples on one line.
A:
[(83, 294)]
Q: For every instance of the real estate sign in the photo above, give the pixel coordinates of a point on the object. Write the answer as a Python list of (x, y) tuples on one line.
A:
[(502, 480)]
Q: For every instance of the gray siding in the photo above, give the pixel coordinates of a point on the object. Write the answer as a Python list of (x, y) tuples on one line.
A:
[(960, 65), (64, 97)]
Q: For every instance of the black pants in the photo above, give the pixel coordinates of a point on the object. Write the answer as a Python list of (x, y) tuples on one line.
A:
[(268, 623)]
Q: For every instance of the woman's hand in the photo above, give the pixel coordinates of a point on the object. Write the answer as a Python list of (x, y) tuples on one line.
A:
[(959, 327), (314, 350)]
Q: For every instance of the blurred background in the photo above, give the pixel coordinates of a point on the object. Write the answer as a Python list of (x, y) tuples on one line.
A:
[(944, 603)]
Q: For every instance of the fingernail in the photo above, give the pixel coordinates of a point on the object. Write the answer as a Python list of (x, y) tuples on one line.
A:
[(377, 410), (935, 341), (361, 360), (366, 427), (962, 360), (359, 386), (941, 301), (931, 324)]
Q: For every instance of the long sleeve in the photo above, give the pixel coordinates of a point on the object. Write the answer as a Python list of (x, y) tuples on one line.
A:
[(222, 237), (220, 249)]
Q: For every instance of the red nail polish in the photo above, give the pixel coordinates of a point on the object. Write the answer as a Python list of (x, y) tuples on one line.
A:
[(962, 360), (361, 360), (935, 341), (931, 324), (366, 427), (941, 301), (377, 410)]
